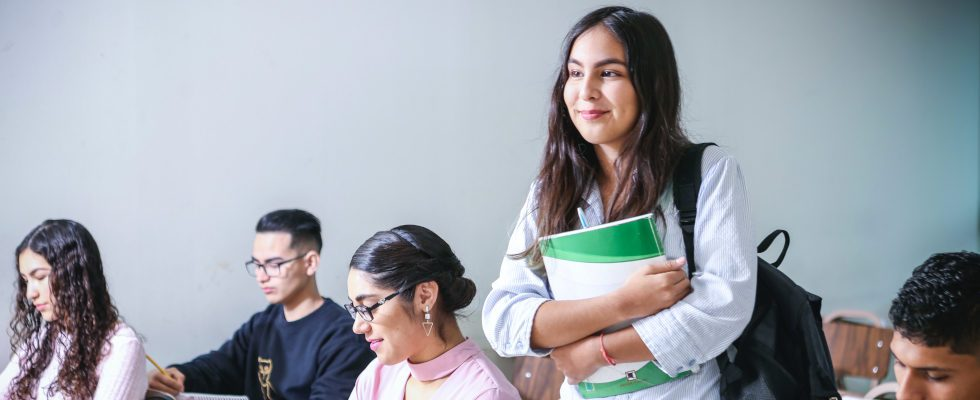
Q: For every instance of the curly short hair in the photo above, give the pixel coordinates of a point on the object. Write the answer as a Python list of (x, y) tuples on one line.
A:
[(940, 304)]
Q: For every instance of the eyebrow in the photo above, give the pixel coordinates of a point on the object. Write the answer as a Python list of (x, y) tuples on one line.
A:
[(926, 368), (31, 273), (600, 63), (267, 260), (361, 297)]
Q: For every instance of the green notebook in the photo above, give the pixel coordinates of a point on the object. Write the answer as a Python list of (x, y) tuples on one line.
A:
[(593, 261)]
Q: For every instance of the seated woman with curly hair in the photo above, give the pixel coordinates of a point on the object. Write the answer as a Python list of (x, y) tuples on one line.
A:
[(67, 338)]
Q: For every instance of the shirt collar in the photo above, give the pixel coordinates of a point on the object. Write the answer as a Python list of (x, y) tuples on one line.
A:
[(445, 363)]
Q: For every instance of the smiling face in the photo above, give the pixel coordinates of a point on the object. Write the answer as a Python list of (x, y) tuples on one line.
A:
[(394, 333), (36, 272), (934, 372), (293, 277), (599, 94)]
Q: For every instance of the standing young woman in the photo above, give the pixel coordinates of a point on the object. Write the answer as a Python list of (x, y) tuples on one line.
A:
[(406, 286), (614, 138), (68, 341)]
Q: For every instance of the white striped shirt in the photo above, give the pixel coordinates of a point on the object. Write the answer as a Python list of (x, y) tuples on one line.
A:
[(686, 336)]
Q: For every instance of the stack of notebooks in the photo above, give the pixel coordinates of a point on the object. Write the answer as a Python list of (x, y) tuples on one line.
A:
[(594, 261)]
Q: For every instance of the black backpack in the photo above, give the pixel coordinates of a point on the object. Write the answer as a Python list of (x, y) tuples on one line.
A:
[(782, 353)]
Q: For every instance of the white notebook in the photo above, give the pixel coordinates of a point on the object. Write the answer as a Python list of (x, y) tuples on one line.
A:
[(152, 394)]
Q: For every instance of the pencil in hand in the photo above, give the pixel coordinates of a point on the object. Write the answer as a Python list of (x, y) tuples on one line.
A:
[(159, 368)]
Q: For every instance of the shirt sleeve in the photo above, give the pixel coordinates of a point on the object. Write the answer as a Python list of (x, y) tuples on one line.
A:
[(515, 296), (9, 374), (340, 360), (702, 325), (122, 372), (221, 371), (494, 394), (365, 383)]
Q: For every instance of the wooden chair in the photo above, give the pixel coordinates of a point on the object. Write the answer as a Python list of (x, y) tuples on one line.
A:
[(857, 349), (536, 378)]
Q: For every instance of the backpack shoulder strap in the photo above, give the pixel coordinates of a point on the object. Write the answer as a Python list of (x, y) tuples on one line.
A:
[(687, 184)]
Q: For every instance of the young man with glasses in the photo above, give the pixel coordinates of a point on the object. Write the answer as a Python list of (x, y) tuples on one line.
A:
[(937, 329), (300, 347)]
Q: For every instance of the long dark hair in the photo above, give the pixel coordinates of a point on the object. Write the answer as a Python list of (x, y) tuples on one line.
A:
[(655, 144), (407, 255), (84, 313)]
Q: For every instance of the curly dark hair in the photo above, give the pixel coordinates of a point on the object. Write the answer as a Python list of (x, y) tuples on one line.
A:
[(940, 304), (84, 314)]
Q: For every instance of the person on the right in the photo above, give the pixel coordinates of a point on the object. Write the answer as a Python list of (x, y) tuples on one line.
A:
[(614, 141), (936, 317)]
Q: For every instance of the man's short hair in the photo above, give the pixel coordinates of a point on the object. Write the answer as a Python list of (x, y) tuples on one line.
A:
[(940, 304), (303, 227)]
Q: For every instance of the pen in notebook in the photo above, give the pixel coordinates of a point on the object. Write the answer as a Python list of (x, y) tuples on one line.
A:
[(159, 368), (581, 217)]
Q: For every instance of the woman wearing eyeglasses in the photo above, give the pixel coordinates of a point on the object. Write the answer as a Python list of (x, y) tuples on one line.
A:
[(69, 342), (406, 286)]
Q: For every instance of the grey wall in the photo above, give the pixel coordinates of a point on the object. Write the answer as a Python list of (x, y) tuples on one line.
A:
[(168, 128)]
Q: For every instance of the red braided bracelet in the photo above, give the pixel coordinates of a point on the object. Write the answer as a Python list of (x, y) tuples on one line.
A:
[(602, 348)]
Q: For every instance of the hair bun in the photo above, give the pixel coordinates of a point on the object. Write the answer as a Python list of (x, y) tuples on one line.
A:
[(455, 266), (409, 254), (458, 294)]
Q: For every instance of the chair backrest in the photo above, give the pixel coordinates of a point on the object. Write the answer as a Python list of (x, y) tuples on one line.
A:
[(857, 349), (536, 378), (884, 390)]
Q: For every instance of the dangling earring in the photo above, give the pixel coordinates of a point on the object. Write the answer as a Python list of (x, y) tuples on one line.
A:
[(428, 321)]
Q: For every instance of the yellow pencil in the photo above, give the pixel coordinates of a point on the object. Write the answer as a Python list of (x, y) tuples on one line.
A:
[(158, 366)]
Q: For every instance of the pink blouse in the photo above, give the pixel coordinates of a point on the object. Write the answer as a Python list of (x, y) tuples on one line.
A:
[(471, 376)]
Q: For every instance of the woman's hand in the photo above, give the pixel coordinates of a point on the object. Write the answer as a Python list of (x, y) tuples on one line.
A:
[(579, 359), (652, 288)]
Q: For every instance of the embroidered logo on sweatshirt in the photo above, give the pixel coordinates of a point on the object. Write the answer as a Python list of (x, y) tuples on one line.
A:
[(265, 378)]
